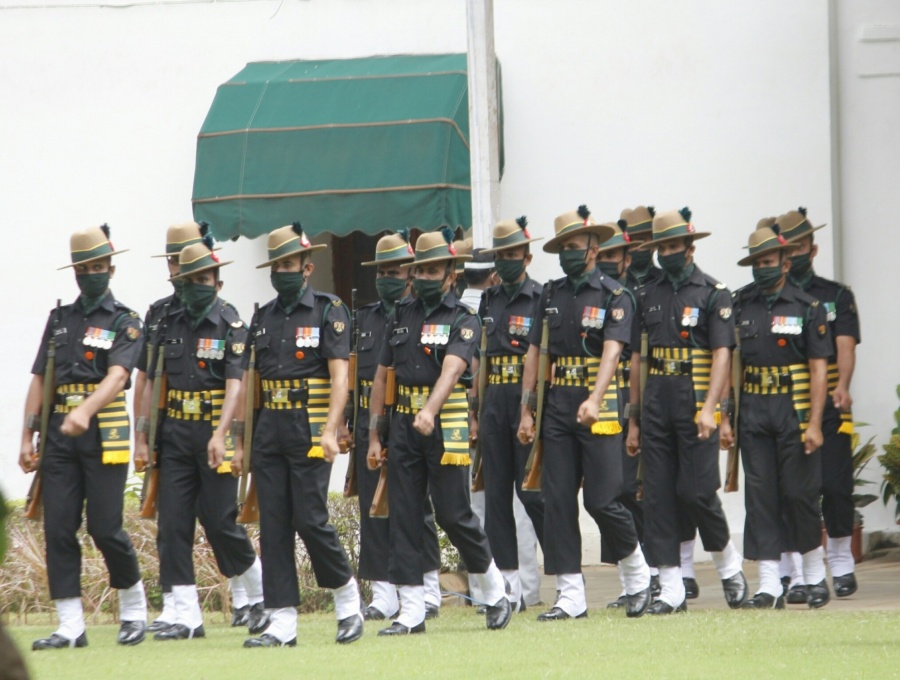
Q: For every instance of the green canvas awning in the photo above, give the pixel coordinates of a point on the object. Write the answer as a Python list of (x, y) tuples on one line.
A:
[(340, 145)]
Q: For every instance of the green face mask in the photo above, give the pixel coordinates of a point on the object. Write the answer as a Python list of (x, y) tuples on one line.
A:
[(800, 265), (610, 269), (197, 298), (92, 286), (389, 289), (178, 285), (673, 264), (509, 271), (767, 278), (572, 262), (640, 260), (287, 284), (429, 291)]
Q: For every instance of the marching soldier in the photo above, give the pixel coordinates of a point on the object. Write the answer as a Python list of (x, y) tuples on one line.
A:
[(508, 311), (589, 318), (837, 421), (178, 237), (432, 343), (203, 342), (688, 317), (86, 455), (639, 223), (302, 344), (393, 255), (785, 344)]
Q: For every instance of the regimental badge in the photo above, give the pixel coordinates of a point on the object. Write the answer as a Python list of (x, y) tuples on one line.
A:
[(338, 327), (114, 434), (209, 348), (456, 436), (99, 338), (690, 316), (134, 315), (520, 325), (132, 333), (237, 348), (307, 336), (593, 317), (467, 334), (237, 324), (821, 330), (337, 302), (618, 314), (831, 311), (787, 325), (725, 313)]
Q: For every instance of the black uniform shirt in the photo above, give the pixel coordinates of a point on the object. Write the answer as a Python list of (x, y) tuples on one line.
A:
[(205, 357), (653, 274), (790, 331), (152, 321), (418, 343), (373, 322), (697, 315), (580, 321), (88, 344), (299, 343), (509, 322), (840, 309)]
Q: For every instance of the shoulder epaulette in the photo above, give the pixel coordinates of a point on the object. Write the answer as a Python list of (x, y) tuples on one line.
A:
[(715, 283), (612, 285), (230, 315), (460, 303)]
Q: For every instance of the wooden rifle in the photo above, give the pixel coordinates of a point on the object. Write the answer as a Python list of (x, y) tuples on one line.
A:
[(483, 369), (379, 506), (535, 464), (33, 505), (150, 488), (350, 480), (732, 468), (248, 503)]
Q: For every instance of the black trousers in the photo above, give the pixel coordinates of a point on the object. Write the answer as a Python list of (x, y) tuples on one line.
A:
[(189, 490), (73, 473), (414, 468), (293, 500), (781, 481), (572, 453), (681, 473), (374, 532), (838, 509), (630, 484), (503, 463)]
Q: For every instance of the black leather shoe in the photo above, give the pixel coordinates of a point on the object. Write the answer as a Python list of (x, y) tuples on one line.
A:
[(819, 595), (498, 615), (397, 628), (178, 631), (764, 601), (59, 642), (266, 640), (432, 611), (797, 595), (785, 585), (637, 604), (655, 587), (662, 607), (618, 603), (691, 588), (240, 616), (373, 614), (131, 632), (557, 614), (846, 585), (349, 629), (258, 618), (736, 590), (157, 625)]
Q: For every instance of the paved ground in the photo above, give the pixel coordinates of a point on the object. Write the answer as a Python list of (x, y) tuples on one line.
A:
[(878, 577)]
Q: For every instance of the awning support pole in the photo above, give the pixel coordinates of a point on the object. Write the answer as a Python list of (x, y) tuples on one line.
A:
[(484, 129)]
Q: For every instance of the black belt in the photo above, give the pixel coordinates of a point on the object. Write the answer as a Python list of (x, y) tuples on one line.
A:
[(571, 372), (67, 399), (293, 394), (769, 379), (506, 369), (178, 404), (671, 366)]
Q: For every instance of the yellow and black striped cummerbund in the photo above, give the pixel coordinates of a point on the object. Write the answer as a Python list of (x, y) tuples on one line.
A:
[(793, 380), (454, 419), (582, 372), (697, 363), (112, 420), (312, 394), (846, 416), (506, 369), (202, 405), (365, 391)]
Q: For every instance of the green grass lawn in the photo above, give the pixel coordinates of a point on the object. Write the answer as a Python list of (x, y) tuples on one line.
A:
[(703, 644)]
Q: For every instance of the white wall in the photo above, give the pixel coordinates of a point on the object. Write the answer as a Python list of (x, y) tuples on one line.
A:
[(720, 106)]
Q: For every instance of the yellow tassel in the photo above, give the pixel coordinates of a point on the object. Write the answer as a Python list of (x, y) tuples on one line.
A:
[(718, 418), (606, 427), (846, 428), (116, 457), (316, 452), (224, 468), (456, 459)]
